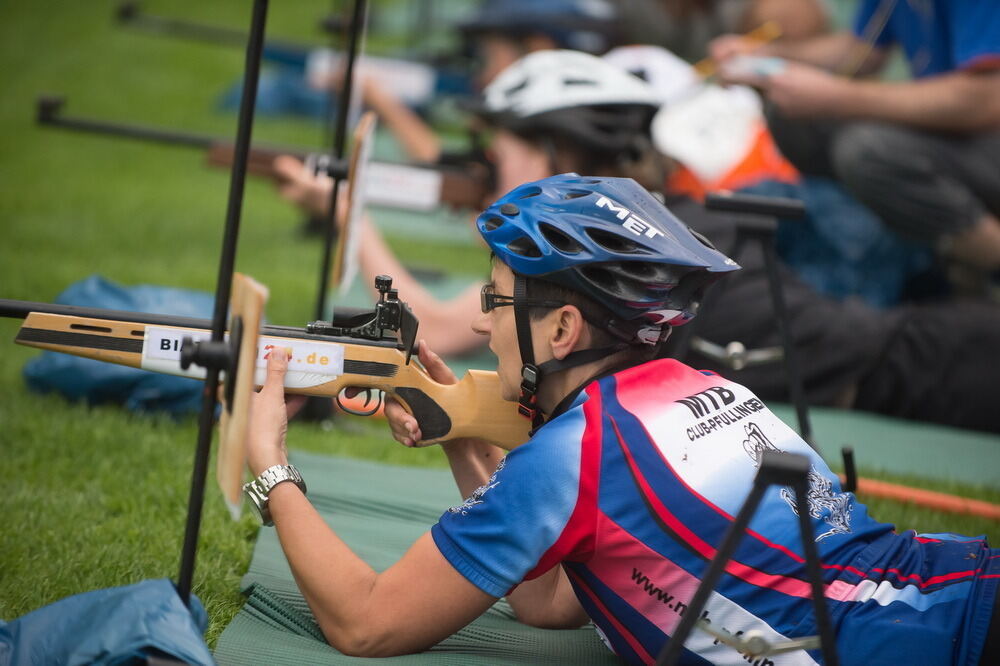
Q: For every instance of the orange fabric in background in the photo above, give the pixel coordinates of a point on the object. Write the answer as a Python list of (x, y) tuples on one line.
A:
[(762, 162)]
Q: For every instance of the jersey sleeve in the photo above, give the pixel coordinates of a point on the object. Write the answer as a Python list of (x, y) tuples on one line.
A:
[(975, 35), (865, 19), (500, 534)]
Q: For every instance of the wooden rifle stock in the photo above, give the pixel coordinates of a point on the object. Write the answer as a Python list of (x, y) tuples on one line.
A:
[(260, 161), (320, 365)]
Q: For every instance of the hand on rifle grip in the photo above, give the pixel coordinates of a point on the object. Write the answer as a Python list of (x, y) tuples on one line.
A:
[(404, 426), (306, 190)]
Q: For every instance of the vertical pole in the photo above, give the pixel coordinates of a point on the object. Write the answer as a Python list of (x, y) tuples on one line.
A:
[(795, 384), (675, 644), (222, 291), (815, 573), (339, 140)]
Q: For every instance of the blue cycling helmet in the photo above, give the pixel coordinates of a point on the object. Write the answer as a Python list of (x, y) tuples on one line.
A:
[(611, 240), (581, 25)]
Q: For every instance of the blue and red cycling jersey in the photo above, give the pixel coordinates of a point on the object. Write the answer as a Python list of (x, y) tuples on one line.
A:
[(632, 488)]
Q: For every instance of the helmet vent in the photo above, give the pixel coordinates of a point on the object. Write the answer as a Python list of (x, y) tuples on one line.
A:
[(492, 223), (613, 242), (576, 194), (579, 82), (513, 90), (702, 239), (524, 247), (531, 192), (662, 277), (601, 278), (559, 240), (640, 270)]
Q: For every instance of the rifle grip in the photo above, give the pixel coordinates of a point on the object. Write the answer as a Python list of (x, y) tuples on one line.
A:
[(434, 421)]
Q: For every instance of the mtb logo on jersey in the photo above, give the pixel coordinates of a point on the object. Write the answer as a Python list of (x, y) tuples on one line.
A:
[(716, 406)]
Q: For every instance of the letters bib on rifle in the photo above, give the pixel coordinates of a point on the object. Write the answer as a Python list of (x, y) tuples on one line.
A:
[(309, 363)]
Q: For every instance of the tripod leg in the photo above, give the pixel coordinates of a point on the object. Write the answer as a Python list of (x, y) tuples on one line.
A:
[(675, 644), (815, 574)]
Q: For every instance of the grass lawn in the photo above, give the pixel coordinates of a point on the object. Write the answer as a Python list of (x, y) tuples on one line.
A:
[(96, 497)]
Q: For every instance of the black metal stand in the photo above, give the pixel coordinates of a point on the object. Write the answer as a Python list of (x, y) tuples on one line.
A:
[(339, 141), (780, 469), (222, 292), (758, 222)]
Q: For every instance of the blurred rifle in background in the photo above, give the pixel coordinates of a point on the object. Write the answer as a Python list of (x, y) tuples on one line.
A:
[(417, 187)]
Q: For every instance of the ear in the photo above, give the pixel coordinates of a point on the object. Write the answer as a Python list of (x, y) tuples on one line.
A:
[(567, 331)]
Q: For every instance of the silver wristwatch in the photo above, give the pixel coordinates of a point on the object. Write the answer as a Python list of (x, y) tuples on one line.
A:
[(259, 489)]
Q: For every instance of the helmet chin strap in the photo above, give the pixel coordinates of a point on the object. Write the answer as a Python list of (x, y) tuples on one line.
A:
[(531, 374)]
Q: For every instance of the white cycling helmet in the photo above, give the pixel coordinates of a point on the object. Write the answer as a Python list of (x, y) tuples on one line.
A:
[(573, 93), (671, 78)]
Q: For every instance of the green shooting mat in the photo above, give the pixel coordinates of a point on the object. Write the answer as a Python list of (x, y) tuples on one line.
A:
[(379, 510), (895, 446)]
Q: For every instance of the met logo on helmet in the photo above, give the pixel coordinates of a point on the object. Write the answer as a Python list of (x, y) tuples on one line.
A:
[(629, 220)]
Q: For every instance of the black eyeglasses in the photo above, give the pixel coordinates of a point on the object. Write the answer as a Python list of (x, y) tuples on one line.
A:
[(489, 299)]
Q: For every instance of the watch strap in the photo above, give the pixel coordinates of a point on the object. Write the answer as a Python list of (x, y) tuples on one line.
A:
[(259, 490)]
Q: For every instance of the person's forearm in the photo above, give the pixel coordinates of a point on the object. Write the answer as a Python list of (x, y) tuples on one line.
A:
[(472, 462), (799, 19), (334, 581), (831, 52), (412, 605), (418, 140), (957, 102)]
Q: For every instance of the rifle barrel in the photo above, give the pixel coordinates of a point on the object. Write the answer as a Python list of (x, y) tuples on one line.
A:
[(21, 309), (394, 185), (49, 112)]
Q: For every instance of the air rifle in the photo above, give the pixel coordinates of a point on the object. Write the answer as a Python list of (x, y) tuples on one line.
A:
[(357, 348), (388, 184)]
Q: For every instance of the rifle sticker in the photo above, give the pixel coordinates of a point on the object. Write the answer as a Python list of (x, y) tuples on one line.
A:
[(403, 186), (309, 363), (161, 350)]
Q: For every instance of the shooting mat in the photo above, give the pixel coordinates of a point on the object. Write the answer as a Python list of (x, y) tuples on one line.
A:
[(379, 510)]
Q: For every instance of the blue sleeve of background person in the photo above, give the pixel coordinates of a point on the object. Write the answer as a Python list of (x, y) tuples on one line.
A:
[(864, 17), (975, 33), (500, 533)]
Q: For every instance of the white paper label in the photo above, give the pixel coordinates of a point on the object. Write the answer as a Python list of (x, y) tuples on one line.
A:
[(317, 358), (309, 364), (403, 186)]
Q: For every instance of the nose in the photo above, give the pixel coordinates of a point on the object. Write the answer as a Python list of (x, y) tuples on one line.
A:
[(481, 324)]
